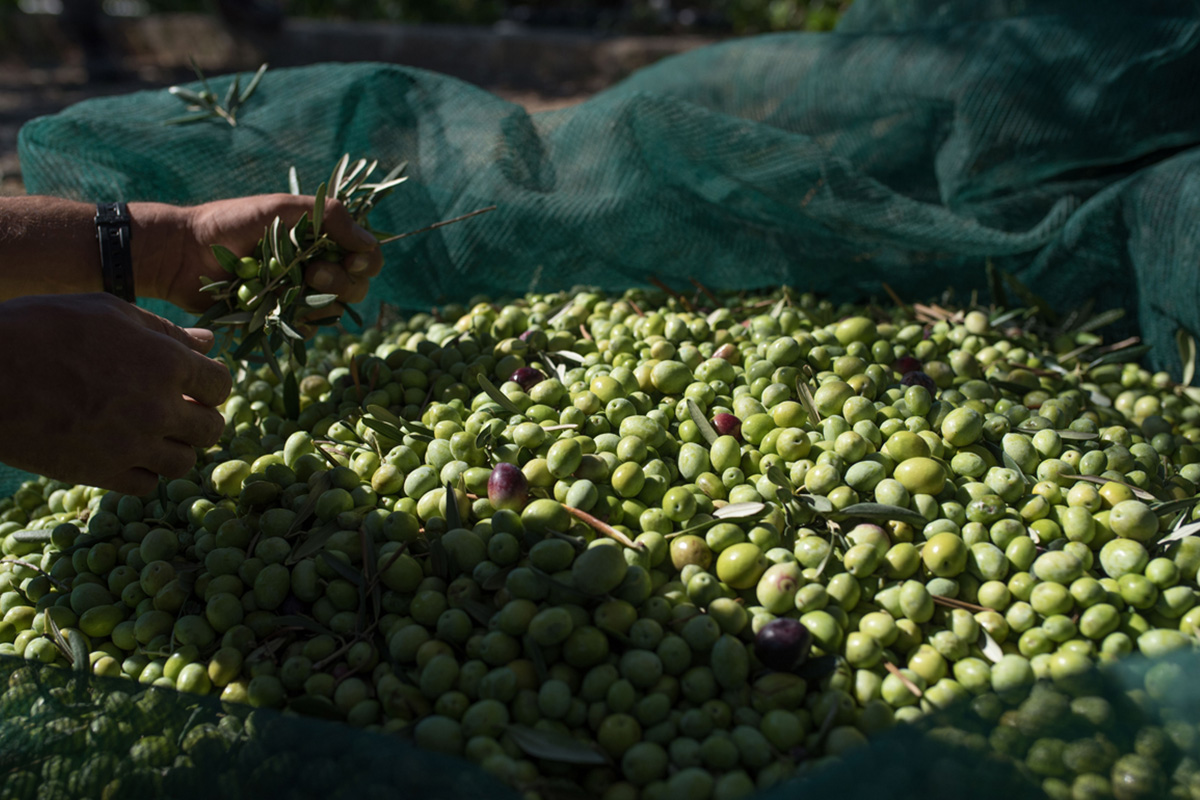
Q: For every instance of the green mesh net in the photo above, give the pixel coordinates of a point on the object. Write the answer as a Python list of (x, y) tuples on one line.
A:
[(915, 146)]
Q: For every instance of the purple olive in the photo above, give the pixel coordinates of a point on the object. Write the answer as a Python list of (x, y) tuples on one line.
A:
[(727, 425), (508, 487), (783, 644), (907, 364), (527, 377), (918, 378)]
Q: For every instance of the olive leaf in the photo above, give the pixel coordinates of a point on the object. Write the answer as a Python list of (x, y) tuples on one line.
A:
[(308, 624), (817, 503), (552, 747), (702, 424), (226, 258), (990, 648), (882, 512), (498, 396), (1182, 532), (342, 568), (453, 518), (205, 104), (806, 400), (1138, 492), (746, 510), (1187, 355)]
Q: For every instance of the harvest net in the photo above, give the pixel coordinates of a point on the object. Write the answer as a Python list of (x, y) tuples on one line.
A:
[(923, 145)]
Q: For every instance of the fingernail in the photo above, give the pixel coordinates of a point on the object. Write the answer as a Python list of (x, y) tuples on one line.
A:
[(358, 263), (322, 278)]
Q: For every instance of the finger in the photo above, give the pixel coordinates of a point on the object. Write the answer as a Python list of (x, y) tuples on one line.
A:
[(208, 381), (198, 425), (196, 339), (365, 265), (137, 482), (202, 339), (342, 228), (326, 277), (171, 459)]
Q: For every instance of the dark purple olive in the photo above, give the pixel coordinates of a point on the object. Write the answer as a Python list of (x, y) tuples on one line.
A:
[(508, 487), (783, 644), (527, 377), (918, 378), (907, 364), (727, 425)]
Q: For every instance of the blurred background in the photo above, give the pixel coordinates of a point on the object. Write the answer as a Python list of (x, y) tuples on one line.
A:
[(539, 53)]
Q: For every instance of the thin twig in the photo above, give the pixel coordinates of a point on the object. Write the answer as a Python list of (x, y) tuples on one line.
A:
[(908, 684), (604, 528), (436, 225)]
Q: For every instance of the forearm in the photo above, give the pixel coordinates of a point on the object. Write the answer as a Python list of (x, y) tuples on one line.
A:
[(48, 246)]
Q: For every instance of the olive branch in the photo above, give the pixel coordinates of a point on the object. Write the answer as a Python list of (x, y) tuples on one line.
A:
[(258, 308)]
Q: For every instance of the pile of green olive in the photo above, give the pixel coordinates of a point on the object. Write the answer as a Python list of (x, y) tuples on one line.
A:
[(642, 545)]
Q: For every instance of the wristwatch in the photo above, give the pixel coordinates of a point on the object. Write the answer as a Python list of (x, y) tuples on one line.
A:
[(116, 255)]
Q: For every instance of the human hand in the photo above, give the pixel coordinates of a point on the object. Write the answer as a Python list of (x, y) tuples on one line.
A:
[(115, 396), (238, 224)]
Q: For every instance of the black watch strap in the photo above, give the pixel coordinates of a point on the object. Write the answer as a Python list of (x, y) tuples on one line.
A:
[(116, 255)]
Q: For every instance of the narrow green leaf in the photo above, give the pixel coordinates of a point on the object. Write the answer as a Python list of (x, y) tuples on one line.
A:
[(59, 641), (740, 510), (707, 432), (272, 361), (480, 611), (483, 438), (354, 316), (564, 749), (319, 300), (1138, 492), (438, 558), (806, 400), (236, 318), (339, 171), (1182, 532), (386, 429), (247, 346), (883, 512), (313, 543), (252, 85), (289, 331), (1101, 319), (1187, 355), (232, 96), (225, 257), (1170, 507), (318, 209), (79, 650), (817, 503), (187, 95), (342, 568), (453, 517), (293, 180), (259, 317), (1122, 356), (498, 396), (990, 648)]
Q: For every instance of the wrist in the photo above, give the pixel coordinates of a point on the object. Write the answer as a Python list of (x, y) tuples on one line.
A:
[(158, 232)]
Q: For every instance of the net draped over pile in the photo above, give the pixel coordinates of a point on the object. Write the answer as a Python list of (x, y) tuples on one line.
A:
[(1055, 139)]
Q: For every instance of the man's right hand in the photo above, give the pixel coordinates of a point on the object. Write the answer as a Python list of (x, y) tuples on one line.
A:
[(100, 392)]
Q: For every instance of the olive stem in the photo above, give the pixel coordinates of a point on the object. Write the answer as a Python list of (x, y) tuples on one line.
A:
[(908, 684), (605, 528), (23, 563)]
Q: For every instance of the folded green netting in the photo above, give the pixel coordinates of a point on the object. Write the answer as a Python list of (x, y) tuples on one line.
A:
[(914, 146)]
